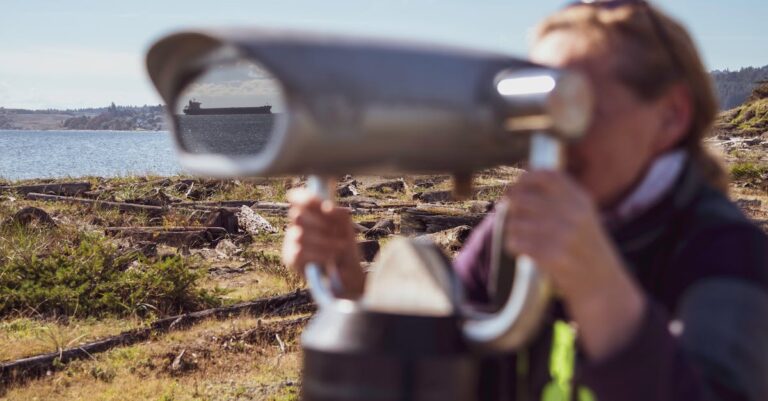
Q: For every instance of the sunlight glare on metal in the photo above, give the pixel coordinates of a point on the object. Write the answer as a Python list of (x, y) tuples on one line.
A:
[(526, 85)]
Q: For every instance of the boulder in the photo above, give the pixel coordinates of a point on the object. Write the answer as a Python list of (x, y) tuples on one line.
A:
[(29, 215), (252, 223), (368, 250)]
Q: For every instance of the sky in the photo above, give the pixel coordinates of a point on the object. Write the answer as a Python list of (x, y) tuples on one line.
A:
[(89, 53)]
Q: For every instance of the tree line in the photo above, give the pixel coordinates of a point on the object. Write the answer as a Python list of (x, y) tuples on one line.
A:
[(734, 87)]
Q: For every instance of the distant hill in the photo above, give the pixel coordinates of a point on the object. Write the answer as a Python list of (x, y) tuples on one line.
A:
[(749, 119), (734, 87), (113, 117)]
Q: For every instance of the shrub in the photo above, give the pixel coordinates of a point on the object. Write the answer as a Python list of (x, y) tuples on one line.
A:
[(747, 171), (88, 276)]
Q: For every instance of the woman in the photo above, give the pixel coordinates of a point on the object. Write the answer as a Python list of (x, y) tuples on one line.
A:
[(663, 277)]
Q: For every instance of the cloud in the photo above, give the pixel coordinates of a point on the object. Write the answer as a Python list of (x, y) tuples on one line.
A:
[(258, 87)]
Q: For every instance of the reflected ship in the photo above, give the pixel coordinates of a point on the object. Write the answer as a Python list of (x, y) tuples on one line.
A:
[(194, 109)]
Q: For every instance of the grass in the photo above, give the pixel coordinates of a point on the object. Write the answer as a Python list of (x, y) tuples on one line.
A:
[(751, 118), (26, 336), (219, 365), (748, 171), (270, 263)]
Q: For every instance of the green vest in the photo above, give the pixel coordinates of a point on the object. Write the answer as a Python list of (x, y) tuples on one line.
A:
[(562, 359)]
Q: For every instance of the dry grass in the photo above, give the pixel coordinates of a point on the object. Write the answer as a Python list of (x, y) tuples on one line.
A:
[(24, 336), (218, 363)]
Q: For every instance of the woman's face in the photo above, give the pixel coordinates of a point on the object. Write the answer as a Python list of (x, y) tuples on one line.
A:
[(625, 133)]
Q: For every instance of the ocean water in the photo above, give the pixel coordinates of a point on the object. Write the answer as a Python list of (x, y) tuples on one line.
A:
[(53, 154), (234, 134)]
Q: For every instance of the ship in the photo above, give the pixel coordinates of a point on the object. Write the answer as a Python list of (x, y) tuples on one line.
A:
[(194, 109)]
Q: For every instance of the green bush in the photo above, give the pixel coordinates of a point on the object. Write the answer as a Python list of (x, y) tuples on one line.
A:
[(747, 171), (88, 276)]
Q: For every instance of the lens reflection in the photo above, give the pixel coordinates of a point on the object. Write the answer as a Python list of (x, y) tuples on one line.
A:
[(231, 109)]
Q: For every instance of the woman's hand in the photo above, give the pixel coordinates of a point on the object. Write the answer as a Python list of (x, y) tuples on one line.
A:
[(322, 233), (555, 222)]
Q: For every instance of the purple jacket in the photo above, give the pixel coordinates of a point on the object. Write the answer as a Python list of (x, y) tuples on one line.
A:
[(703, 265)]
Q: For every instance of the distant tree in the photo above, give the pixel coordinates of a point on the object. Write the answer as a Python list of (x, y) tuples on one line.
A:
[(734, 87)]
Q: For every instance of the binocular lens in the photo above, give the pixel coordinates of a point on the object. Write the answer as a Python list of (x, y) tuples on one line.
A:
[(231, 109)]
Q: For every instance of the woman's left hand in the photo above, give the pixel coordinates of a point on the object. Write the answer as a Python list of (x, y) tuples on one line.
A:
[(555, 222)]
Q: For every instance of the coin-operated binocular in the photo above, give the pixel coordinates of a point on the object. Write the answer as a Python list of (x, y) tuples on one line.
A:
[(260, 102)]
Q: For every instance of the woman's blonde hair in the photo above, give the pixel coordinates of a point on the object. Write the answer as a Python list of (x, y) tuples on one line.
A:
[(653, 52)]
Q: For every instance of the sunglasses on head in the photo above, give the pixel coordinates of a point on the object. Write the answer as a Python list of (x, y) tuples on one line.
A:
[(658, 28)]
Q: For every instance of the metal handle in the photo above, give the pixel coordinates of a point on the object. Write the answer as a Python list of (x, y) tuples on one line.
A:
[(321, 289), (520, 318)]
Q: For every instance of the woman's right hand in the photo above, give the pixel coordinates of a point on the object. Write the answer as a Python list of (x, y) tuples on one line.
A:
[(320, 232)]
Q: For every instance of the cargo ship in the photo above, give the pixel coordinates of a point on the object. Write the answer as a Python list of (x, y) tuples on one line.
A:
[(193, 109)]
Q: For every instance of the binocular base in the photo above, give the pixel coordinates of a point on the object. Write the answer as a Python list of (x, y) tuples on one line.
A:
[(355, 377)]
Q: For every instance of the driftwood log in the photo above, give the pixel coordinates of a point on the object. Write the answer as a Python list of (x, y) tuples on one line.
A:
[(189, 237), (397, 185), (427, 220), (150, 210), (223, 218), (450, 240), (121, 206), (381, 229), (67, 188), (449, 196), (26, 368), (270, 208), (430, 181)]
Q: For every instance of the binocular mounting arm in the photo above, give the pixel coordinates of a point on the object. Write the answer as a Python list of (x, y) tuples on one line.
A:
[(520, 317), (322, 293)]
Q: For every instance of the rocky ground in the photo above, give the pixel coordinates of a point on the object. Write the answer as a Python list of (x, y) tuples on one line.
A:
[(77, 257)]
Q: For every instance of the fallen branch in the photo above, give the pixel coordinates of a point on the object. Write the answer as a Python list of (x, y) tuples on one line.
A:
[(27, 368), (152, 211), (66, 188), (121, 206), (431, 220)]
